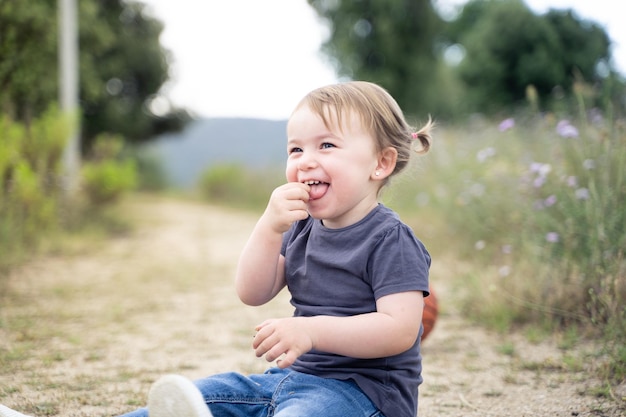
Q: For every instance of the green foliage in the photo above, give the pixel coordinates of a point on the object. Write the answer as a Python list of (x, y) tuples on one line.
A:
[(498, 68), (127, 68), (29, 178), (107, 176), (33, 204), (28, 70), (237, 186), (122, 66), (508, 48), (391, 42)]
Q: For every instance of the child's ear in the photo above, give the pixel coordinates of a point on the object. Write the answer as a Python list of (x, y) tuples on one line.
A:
[(387, 159)]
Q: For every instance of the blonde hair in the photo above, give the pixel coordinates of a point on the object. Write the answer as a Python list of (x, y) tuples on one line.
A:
[(379, 113)]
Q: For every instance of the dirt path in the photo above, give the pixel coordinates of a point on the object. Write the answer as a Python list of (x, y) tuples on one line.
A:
[(86, 335)]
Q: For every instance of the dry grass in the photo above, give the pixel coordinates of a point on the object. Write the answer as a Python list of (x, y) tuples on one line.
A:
[(86, 334)]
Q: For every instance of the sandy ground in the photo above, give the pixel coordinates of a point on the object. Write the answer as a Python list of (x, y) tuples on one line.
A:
[(86, 334)]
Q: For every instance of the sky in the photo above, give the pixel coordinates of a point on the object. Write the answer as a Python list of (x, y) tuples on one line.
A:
[(251, 58)]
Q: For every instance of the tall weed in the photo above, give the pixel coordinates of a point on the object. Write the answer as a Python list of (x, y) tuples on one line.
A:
[(539, 210)]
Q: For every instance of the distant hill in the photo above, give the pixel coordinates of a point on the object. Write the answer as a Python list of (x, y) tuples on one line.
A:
[(251, 142)]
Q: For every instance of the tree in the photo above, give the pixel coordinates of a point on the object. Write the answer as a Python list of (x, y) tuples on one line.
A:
[(125, 74), (122, 66), (508, 48), (391, 42), (28, 73)]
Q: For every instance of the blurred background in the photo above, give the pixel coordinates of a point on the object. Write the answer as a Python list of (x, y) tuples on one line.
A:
[(102, 101)]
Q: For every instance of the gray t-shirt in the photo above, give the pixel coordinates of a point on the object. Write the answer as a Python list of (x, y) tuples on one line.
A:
[(342, 272)]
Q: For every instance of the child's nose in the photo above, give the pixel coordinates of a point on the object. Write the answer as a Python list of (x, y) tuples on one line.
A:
[(307, 161)]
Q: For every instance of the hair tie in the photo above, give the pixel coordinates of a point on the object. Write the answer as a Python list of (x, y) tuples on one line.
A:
[(415, 135)]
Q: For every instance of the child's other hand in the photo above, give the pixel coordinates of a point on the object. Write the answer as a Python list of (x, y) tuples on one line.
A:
[(288, 203), (282, 337)]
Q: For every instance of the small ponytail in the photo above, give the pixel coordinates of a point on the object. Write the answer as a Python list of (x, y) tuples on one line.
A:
[(424, 137)]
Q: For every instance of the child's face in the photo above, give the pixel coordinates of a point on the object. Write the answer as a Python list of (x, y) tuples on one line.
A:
[(339, 164)]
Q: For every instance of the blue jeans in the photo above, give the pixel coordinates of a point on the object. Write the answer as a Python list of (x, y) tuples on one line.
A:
[(281, 393)]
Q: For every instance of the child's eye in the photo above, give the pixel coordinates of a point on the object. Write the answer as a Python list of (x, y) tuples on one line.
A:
[(294, 149), (327, 145)]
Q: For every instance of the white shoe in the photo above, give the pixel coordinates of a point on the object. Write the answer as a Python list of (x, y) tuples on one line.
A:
[(7, 412), (173, 396)]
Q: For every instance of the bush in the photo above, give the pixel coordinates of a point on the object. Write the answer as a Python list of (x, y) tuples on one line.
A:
[(150, 171), (30, 164), (237, 186), (33, 203), (107, 176)]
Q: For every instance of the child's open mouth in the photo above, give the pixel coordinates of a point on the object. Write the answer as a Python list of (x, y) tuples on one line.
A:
[(318, 189)]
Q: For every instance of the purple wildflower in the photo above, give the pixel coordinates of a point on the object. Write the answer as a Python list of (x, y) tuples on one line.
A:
[(582, 194), (541, 171), (535, 167), (504, 271), (572, 181), (539, 181), (545, 169), (550, 201), (595, 115), (552, 237), (484, 154), (566, 130), (589, 164), (506, 124)]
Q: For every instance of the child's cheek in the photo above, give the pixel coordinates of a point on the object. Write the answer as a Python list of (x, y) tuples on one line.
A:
[(291, 173)]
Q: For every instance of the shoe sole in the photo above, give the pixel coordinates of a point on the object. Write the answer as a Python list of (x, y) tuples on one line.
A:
[(8, 412), (176, 396)]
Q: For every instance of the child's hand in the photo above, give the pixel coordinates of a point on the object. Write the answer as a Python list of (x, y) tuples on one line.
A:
[(282, 337), (288, 203)]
